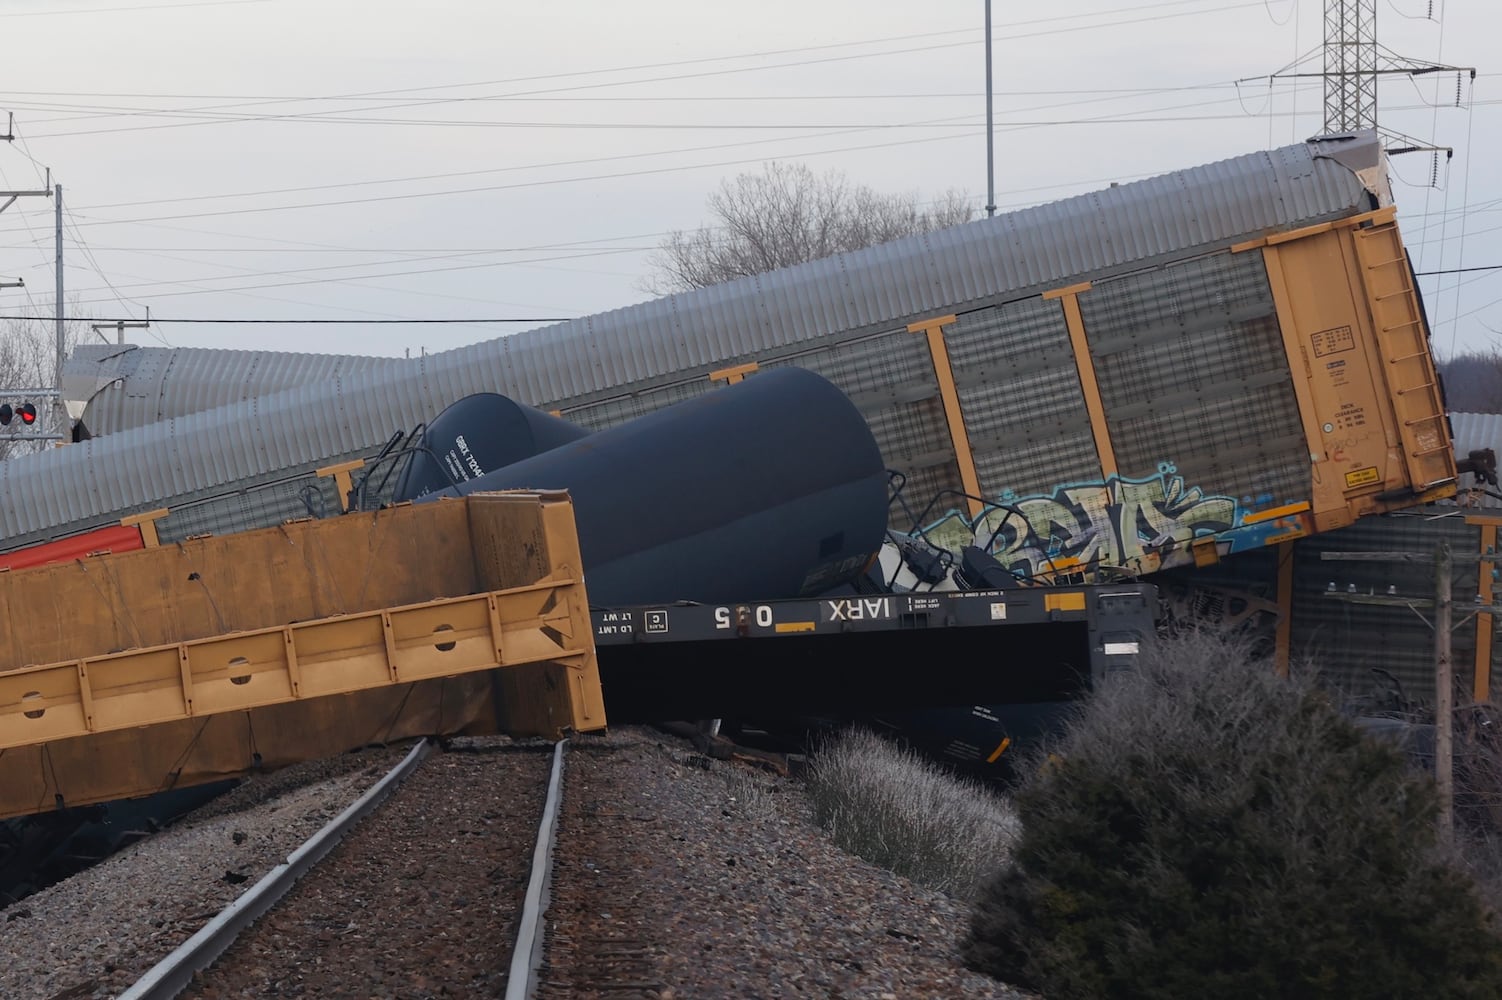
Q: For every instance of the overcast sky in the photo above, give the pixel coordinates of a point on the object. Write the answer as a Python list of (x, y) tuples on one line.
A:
[(368, 159)]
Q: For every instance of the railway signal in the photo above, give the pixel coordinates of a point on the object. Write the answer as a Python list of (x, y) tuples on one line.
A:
[(26, 412)]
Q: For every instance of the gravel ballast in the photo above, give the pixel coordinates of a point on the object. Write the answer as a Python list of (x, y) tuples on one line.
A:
[(715, 874)]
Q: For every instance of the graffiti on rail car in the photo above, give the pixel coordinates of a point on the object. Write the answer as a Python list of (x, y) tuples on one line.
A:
[(1138, 525)]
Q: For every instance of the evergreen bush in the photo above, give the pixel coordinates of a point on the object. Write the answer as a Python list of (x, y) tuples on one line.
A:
[(1205, 829)]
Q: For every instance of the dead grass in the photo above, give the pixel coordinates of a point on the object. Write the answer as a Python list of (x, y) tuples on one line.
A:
[(907, 814)]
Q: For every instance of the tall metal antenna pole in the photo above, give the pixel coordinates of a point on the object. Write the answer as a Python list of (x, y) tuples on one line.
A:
[(990, 141)]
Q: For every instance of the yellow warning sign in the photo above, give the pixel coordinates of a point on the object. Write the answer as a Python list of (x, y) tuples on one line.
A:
[(1362, 477)]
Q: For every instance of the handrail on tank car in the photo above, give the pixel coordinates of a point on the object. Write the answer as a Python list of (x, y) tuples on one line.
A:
[(986, 507), (357, 494), (897, 481), (391, 443)]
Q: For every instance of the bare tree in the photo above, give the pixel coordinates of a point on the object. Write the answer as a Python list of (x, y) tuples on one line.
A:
[(786, 215), (1473, 382), (28, 360)]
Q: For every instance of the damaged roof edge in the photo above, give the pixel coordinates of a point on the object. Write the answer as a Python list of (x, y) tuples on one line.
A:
[(1362, 154)]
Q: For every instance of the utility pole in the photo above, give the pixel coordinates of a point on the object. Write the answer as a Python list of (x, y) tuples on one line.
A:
[(990, 137), (59, 416), (120, 326), (1444, 693), (11, 196), (1444, 664)]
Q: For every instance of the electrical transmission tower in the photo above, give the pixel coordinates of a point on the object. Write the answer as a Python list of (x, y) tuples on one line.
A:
[(1350, 65), (1353, 63)]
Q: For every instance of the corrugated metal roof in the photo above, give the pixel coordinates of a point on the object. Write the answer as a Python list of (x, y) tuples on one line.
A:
[(127, 386), (1011, 255), (247, 443), (880, 288)]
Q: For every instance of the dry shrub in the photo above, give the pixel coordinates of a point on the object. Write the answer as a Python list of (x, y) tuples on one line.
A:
[(900, 811)]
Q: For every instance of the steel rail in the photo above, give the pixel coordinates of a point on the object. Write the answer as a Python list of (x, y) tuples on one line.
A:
[(526, 957), (173, 974)]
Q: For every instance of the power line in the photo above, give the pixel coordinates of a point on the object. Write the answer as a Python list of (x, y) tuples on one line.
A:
[(428, 320), (848, 130), (1460, 270), (110, 10), (320, 116), (1137, 118), (383, 274), (668, 64)]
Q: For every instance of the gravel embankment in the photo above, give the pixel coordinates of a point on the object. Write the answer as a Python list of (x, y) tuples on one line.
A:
[(695, 878), (713, 878), (97, 932)]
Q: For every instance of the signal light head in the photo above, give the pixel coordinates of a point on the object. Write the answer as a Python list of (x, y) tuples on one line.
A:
[(26, 411)]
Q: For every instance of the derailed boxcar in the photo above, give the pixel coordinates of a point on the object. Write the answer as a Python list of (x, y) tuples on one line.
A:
[(1157, 374)]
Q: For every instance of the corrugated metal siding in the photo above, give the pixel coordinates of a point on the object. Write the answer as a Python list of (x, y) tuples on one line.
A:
[(1019, 390), (632, 351), (1352, 643), (1193, 373), (1364, 651), (890, 378)]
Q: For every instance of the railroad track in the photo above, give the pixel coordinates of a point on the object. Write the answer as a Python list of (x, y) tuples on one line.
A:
[(673, 874), (432, 883)]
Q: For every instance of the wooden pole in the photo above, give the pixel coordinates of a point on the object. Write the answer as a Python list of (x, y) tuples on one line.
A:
[(1444, 693)]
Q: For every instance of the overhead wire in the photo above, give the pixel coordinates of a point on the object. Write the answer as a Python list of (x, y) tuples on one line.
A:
[(241, 321), (54, 12), (381, 316), (88, 254), (545, 261), (1288, 17), (249, 293), (318, 116), (1461, 270), (1465, 194), (1130, 117), (696, 166), (303, 246), (1434, 134), (393, 274), (847, 130), (663, 64), (352, 280)]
